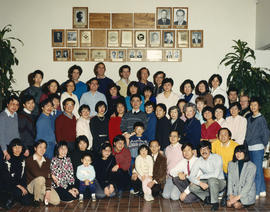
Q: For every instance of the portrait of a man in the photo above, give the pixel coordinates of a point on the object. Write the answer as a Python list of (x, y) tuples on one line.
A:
[(65, 54), (139, 54), (79, 16), (155, 39), (168, 37), (72, 36), (58, 37), (179, 17), (132, 54), (196, 37), (121, 54), (113, 55), (164, 17), (58, 54)]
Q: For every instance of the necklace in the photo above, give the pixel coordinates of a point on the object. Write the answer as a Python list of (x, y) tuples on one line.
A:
[(101, 118)]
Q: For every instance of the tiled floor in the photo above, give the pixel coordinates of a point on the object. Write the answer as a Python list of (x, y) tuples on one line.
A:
[(130, 203)]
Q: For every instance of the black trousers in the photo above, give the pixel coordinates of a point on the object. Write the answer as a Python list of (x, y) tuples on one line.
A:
[(122, 180)]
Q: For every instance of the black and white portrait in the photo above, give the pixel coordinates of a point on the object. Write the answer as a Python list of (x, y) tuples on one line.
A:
[(140, 38), (58, 54), (196, 38), (139, 54), (58, 37), (121, 54), (183, 38), (180, 15), (154, 40), (113, 55), (168, 37), (132, 54), (164, 16), (80, 17), (71, 35), (113, 38), (65, 54)]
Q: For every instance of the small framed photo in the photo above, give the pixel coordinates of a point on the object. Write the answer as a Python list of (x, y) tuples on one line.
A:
[(168, 38), (117, 55), (164, 16), (61, 55), (80, 17), (80, 54), (136, 55), (182, 38), (126, 38), (85, 38), (154, 38), (196, 38), (180, 17), (154, 55), (71, 38), (113, 38), (172, 55), (58, 37), (99, 55), (140, 38)]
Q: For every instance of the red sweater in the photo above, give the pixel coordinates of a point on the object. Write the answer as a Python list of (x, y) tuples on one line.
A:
[(114, 128), (211, 132), (123, 159), (65, 128)]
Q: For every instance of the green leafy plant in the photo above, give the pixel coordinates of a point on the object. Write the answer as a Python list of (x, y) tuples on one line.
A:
[(252, 81), (7, 61)]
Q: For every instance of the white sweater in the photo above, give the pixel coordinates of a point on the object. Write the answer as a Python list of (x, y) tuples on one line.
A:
[(144, 166)]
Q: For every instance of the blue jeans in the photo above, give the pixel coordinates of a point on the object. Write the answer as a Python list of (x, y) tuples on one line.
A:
[(257, 158), (50, 150)]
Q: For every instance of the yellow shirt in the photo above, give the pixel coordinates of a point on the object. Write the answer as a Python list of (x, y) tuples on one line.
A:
[(226, 152)]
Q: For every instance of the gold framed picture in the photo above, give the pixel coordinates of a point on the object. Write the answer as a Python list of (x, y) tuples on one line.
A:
[(61, 55), (136, 55), (140, 38), (99, 55), (71, 38), (172, 55), (180, 17), (58, 37), (126, 38), (154, 38), (113, 38), (85, 38), (182, 38), (80, 54), (163, 17), (196, 38), (168, 38), (80, 17), (154, 55), (117, 55)]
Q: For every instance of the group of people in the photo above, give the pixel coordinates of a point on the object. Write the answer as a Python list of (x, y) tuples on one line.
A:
[(76, 140)]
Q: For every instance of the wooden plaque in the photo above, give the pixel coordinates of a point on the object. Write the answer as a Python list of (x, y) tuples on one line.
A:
[(80, 17), (154, 55), (99, 55), (122, 20), (172, 55), (117, 55), (136, 55), (168, 38), (99, 20), (85, 38), (126, 38), (113, 38), (180, 17), (80, 54), (61, 55), (99, 38), (182, 38), (154, 38), (144, 20)]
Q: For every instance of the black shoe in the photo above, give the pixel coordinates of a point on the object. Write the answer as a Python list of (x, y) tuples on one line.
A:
[(215, 207), (223, 202), (9, 204), (120, 194), (207, 201), (36, 203)]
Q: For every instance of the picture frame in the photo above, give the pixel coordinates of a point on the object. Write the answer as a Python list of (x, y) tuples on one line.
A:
[(117, 55), (154, 38), (72, 38), (80, 17), (61, 55), (58, 37), (168, 38), (180, 17), (99, 55), (182, 38), (136, 55), (172, 55), (196, 38), (85, 38), (163, 17), (113, 38), (154, 55), (126, 38), (80, 54), (140, 38)]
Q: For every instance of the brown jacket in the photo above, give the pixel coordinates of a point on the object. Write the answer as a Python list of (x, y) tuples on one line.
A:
[(160, 168)]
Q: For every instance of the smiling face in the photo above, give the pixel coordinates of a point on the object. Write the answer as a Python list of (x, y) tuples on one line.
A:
[(190, 113), (86, 161), (158, 79), (120, 109), (240, 155), (154, 147), (106, 152), (205, 152), (47, 109), (167, 87), (187, 89), (82, 145), (135, 103), (234, 111), (188, 152), (202, 88), (207, 115), (224, 136), (215, 83), (40, 149), (254, 107), (17, 150), (218, 114), (93, 85), (119, 145), (160, 113), (62, 150), (85, 113), (13, 106), (75, 75), (29, 105), (144, 152), (70, 87), (53, 87), (174, 137), (113, 91), (149, 109), (174, 114), (68, 107)]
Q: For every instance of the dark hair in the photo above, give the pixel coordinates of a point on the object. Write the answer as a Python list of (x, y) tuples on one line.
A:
[(213, 77), (96, 67), (87, 154), (104, 146), (174, 130), (68, 100), (123, 67), (255, 99), (232, 89), (225, 128), (84, 106), (138, 124), (92, 79), (150, 103), (162, 106), (72, 68), (119, 138), (154, 141), (135, 96), (241, 148), (45, 102), (113, 85), (139, 73), (81, 138), (144, 147), (38, 142), (38, 72), (205, 143), (45, 87), (219, 96), (15, 142), (60, 144), (200, 99), (54, 96), (210, 109), (167, 80), (32, 75), (221, 107), (187, 81), (12, 98), (156, 74), (122, 103), (135, 84), (27, 98), (237, 104), (187, 144), (148, 88), (206, 88), (99, 104), (174, 108), (180, 10), (67, 82)]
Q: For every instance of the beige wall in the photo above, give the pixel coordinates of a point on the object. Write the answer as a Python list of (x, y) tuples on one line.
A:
[(221, 20)]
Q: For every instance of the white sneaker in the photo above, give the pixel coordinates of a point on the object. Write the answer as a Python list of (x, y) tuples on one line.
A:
[(151, 198), (263, 194), (148, 197), (81, 198), (257, 196), (94, 198)]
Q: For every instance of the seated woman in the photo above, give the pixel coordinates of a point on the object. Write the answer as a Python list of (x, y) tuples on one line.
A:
[(186, 89), (133, 88), (38, 176), (50, 87), (105, 167), (150, 131), (177, 124), (180, 104), (220, 115), (62, 174), (148, 95), (202, 90), (241, 175)]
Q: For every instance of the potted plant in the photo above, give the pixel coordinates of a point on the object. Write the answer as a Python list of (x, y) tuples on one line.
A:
[(7, 60)]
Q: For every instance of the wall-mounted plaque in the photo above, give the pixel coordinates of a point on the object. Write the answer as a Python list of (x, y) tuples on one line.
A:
[(117, 55), (80, 17), (58, 37), (154, 55), (182, 38), (99, 55), (140, 38), (71, 38), (99, 38), (136, 55), (85, 38), (168, 38), (80, 54), (180, 17), (164, 17), (196, 38), (61, 55), (172, 55), (154, 38), (122, 20), (126, 38), (144, 20), (113, 38), (99, 20)]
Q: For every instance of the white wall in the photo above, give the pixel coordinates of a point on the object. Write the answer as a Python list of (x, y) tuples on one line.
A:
[(221, 20)]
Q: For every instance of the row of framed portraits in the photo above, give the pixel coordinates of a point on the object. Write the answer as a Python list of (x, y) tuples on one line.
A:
[(117, 55), (127, 38), (165, 17)]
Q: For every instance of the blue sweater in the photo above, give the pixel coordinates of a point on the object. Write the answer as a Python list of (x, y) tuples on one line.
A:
[(150, 131), (45, 129), (192, 132), (80, 89), (129, 105)]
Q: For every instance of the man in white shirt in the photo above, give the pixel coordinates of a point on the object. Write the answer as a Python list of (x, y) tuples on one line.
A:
[(181, 172)]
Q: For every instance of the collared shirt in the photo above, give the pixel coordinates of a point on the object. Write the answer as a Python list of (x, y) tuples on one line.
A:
[(70, 117), (39, 161), (27, 111), (155, 156), (135, 111), (9, 114)]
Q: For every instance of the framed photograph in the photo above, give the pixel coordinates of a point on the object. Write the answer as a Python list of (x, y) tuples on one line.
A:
[(136, 55), (126, 38), (61, 55), (71, 38), (58, 37), (154, 38), (172, 55), (168, 38), (80, 17), (164, 17), (80, 54), (182, 38), (85, 38), (113, 38), (140, 37), (196, 38), (154, 55), (117, 55), (99, 55), (180, 17)]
